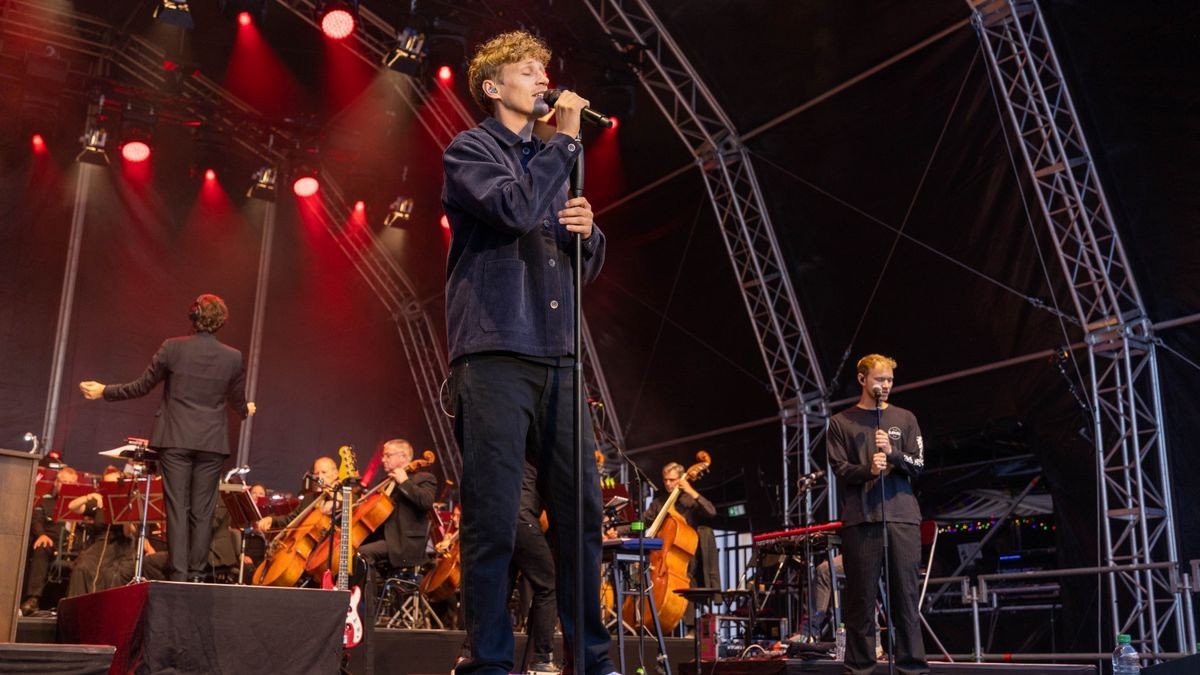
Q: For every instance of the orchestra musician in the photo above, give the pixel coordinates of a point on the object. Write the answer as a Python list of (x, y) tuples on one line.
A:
[(49, 537), (402, 539)]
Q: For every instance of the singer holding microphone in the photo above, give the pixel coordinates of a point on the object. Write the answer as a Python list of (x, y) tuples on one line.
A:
[(875, 450), (509, 313)]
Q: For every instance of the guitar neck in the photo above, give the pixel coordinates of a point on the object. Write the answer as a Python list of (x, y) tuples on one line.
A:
[(343, 577)]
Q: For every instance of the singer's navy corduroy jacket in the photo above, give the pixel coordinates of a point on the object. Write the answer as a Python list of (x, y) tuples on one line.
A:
[(509, 285)]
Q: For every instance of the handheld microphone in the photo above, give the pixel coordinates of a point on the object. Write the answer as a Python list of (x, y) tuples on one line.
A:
[(877, 392), (811, 477), (589, 115)]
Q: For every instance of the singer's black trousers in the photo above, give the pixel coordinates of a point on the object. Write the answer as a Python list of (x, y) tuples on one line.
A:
[(862, 557), (508, 409)]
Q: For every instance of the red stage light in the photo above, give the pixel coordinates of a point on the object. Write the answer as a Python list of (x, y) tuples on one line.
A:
[(360, 206), (306, 186), (245, 19), (615, 122), (135, 151), (210, 175), (445, 73), (337, 24), (445, 222), (39, 143)]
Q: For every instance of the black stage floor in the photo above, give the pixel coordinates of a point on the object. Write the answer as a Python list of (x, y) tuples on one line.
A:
[(416, 652)]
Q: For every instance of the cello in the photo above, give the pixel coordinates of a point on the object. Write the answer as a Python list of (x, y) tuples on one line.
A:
[(373, 509), (669, 566), (289, 550), (441, 583)]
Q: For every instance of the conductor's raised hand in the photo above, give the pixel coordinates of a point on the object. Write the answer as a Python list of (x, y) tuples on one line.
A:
[(578, 216)]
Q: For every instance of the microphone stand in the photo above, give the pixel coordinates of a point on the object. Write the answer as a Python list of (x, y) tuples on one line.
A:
[(577, 647), (887, 565)]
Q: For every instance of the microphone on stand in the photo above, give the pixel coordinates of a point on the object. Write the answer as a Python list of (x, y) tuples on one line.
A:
[(811, 477), (588, 115)]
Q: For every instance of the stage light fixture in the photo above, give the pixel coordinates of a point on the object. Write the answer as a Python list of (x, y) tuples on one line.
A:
[(245, 12), (264, 185), (399, 212), (135, 151), (337, 18), (137, 132), (209, 174), (408, 54), (445, 73), (305, 179), (93, 153), (39, 143), (174, 12)]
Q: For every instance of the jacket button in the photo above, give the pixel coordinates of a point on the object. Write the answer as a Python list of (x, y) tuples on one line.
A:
[(553, 304), (546, 223), (571, 147), (553, 262)]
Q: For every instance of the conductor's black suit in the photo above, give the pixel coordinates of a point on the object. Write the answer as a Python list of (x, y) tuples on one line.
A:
[(200, 376)]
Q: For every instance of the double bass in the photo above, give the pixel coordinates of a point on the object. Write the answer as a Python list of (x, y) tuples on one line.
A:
[(441, 583), (372, 510), (669, 566)]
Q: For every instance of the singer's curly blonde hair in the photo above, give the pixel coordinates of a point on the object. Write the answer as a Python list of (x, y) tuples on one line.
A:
[(866, 363), (491, 57)]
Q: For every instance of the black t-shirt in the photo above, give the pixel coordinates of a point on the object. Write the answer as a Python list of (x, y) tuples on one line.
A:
[(850, 443)]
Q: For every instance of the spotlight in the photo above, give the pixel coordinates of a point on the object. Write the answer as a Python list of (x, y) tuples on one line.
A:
[(445, 73), (209, 174), (264, 185), (174, 12), (39, 143), (137, 127), (135, 151), (408, 54), (93, 141), (245, 12), (337, 18), (360, 206), (399, 212), (305, 179)]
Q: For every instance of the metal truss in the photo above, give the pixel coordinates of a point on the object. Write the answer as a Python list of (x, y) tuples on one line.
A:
[(1127, 425), (746, 229)]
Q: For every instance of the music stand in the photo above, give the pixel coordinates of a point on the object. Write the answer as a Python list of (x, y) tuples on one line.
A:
[(123, 508), (66, 495), (243, 515)]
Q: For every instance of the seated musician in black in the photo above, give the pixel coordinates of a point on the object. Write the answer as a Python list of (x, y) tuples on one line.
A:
[(94, 568), (401, 539), (49, 538), (695, 509)]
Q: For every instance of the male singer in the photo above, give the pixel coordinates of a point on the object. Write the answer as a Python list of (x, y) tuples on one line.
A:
[(509, 308), (871, 443), (191, 428)]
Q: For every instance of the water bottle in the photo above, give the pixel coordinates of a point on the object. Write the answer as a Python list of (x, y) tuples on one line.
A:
[(839, 643), (1125, 660)]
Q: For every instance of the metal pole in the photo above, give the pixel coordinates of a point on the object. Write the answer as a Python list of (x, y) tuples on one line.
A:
[(256, 329), (66, 303)]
